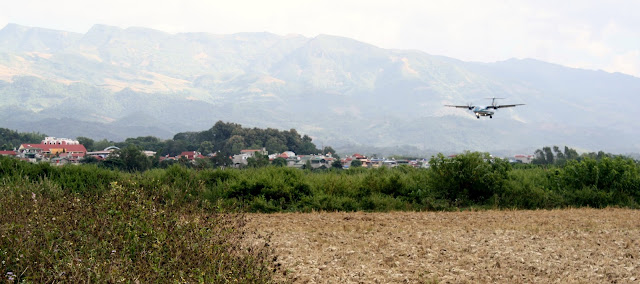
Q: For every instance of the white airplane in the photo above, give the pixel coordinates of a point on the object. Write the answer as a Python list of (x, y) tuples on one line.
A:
[(485, 111)]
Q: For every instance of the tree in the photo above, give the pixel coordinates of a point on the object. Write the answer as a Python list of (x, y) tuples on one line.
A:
[(548, 155), (329, 149), (471, 176), (202, 164), (150, 143), (102, 144), (87, 142), (307, 165), (337, 164), (258, 161), (235, 144), (279, 162), (356, 163), (275, 145), (206, 147), (130, 159), (173, 147), (89, 160), (221, 160), (570, 154)]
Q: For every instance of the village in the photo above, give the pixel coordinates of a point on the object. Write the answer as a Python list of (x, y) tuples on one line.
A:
[(62, 151)]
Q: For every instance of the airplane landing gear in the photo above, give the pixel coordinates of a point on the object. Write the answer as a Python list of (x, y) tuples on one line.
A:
[(491, 116)]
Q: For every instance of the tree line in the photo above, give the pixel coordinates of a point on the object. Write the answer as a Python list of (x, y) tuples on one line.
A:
[(471, 179), (10, 139), (554, 155), (225, 138)]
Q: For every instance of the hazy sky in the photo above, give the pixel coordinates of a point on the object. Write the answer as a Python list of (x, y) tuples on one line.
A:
[(584, 34)]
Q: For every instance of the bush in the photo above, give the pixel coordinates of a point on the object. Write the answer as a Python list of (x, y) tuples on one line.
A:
[(125, 235), (468, 178)]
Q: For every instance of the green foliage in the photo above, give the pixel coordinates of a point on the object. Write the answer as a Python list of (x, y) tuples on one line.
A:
[(10, 139), (230, 138), (129, 159), (356, 163), (468, 178), (148, 143), (128, 234), (279, 162), (88, 143), (102, 144), (329, 149), (258, 161), (602, 182), (221, 160), (284, 186)]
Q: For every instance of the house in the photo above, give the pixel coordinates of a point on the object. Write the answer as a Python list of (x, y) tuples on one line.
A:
[(240, 160), (59, 141), (149, 153), (525, 159), (252, 152), (363, 159), (316, 161), (49, 148), (190, 155), (67, 158), (10, 153), (285, 155)]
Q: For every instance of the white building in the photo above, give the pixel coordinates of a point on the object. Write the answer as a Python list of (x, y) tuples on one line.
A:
[(59, 141)]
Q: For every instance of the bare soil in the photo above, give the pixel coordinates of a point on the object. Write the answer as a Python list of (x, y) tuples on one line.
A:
[(544, 246)]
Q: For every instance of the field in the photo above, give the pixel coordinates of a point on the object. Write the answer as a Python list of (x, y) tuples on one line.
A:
[(571, 245)]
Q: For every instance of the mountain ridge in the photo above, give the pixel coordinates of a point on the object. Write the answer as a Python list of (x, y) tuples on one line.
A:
[(336, 89)]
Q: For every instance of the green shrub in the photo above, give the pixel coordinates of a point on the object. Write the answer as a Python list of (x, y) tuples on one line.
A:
[(468, 178), (125, 235)]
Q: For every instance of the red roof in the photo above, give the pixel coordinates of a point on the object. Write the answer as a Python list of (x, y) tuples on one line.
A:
[(191, 155), (48, 147), (283, 155), (250, 150), (10, 153)]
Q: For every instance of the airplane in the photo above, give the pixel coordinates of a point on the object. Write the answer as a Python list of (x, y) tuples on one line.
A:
[(485, 111)]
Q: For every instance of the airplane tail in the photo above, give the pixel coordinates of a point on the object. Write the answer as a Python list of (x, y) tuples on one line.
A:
[(493, 100)]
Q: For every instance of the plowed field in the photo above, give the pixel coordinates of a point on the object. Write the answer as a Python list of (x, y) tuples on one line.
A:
[(573, 245)]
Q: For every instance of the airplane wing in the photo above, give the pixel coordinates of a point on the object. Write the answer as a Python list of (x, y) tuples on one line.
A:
[(501, 106), (467, 107)]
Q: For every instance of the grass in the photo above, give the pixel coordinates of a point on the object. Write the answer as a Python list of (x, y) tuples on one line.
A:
[(127, 234)]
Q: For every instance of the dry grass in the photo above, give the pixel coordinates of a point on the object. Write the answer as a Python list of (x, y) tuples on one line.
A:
[(574, 245)]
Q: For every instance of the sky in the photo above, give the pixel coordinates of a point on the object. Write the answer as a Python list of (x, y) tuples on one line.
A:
[(588, 34)]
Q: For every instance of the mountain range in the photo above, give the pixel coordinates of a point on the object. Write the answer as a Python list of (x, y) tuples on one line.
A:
[(116, 83)]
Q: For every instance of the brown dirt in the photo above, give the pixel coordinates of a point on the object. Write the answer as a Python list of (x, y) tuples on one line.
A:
[(573, 245)]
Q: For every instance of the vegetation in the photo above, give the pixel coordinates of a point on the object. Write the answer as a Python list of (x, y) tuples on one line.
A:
[(224, 137), (73, 223), (10, 139), (471, 179), (86, 224)]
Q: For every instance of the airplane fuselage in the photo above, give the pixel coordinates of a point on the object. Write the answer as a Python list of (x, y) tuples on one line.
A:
[(483, 111)]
